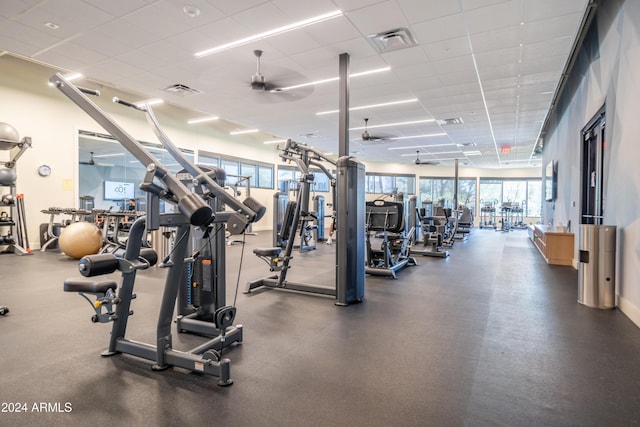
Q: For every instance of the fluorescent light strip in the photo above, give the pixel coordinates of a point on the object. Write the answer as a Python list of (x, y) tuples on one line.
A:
[(395, 124), (472, 153), (202, 120), (384, 104), (276, 141), (102, 156), (428, 135), (270, 33), (332, 79), (153, 101), (432, 154), (413, 147), (71, 77), (241, 132)]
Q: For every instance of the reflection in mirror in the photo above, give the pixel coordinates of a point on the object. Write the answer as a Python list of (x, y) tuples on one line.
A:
[(107, 169)]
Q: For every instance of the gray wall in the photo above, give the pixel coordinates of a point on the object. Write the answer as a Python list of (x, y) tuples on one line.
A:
[(605, 73)]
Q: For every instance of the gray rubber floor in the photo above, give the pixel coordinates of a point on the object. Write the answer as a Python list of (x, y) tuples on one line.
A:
[(490, 336)]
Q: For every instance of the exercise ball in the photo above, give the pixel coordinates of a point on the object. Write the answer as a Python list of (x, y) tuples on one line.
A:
[(7, 176), (79, 239), (9, 137)]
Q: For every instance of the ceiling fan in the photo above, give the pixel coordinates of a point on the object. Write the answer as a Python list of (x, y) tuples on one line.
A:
[(425, 162), (366, 136), (258, 82), (260, 85)]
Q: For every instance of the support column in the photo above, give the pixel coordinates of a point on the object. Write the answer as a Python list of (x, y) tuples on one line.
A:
[(343, 106)]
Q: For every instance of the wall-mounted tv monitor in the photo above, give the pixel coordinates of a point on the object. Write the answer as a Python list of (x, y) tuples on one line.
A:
[(551, 181), (118, 190)]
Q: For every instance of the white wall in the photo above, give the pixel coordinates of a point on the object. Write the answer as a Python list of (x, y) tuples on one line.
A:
[(606, 72)]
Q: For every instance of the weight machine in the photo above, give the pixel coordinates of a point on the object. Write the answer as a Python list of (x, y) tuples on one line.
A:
[(427, 230), (385, 220), (348, 200), (488, 214), (192, 210)]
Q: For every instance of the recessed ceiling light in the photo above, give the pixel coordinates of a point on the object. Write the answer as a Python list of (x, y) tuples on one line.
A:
[(472, 153), (202, 120), (51, 25), (241, 132), (271, 33), (363, 107), (275, 141), (395, 124), (331, 79)]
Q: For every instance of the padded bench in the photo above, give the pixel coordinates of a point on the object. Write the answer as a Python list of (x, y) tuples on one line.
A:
[(89, 286), (267, 252)]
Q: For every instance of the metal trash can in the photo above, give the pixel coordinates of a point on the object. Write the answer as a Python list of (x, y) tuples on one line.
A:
[(597, 269)]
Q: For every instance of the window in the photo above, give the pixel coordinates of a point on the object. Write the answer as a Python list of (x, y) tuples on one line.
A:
[(527, 193), (288, 178), (260, 174), (441, 191), (388, 184), (249, 170)]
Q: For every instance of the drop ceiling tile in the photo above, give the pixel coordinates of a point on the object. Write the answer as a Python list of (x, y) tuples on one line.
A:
[(454, 65), (426, 10), (559, 26), (298, 10), (377, 18), (496, 58), (423, 72), (237, 6), (532, 65), (447, 49), (505, 84), (24, 40), (331, 32), (164, 19), (484, 19), (16, 8), (71, 56), (262, 18), (405, 57), (72, 17), (476, 4), (447, 27), (554, 47), (350, 5), (119, 7), (544, 9), (503, 38)]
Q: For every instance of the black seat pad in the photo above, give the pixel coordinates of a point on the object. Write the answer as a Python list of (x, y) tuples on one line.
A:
[(94, 286), (269, 252)]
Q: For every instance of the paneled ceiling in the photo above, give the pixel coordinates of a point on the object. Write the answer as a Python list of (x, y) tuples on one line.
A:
[(492, 64)]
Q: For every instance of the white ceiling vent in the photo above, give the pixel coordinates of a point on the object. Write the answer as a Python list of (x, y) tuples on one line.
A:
[(180, 89), (452, 121), (391, 40)]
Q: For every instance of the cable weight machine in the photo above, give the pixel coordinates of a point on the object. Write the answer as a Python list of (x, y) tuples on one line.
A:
[(113, 300)]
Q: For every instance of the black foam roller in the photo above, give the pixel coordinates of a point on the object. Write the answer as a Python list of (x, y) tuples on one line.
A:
[(149, 255), (194, 208), (95, 265)]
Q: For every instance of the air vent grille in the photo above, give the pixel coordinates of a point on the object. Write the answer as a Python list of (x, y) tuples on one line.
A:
[(388, 41), (183, 90), (452, 121)]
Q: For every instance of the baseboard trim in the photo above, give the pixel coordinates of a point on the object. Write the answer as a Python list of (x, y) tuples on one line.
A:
[(629, 309)]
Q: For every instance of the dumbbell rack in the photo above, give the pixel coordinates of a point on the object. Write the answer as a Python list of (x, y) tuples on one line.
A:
[(9, 235)]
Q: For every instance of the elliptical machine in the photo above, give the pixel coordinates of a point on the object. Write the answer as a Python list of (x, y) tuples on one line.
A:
[(113, 301)]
